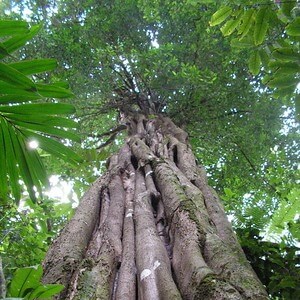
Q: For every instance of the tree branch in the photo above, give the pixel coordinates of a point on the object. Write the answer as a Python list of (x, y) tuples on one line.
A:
[(110, 132), (255, 170), (231, 113), (109, 141)]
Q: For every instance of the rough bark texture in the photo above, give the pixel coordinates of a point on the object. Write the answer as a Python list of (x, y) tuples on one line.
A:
[(151, 228), (2, 282)]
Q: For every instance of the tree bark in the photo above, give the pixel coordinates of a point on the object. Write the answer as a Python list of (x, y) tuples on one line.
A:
[(2, 282), (151, 228)]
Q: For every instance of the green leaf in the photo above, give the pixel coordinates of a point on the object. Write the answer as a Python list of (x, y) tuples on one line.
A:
[(39, 108), (3, 169), (34, 66), (11, 27), (45, 291), (284, 67), (231, 25), (220, 15), (228, 192), (293, 28), (254, 62), (44, 120), (287, 6), (26, 283), (284, 93), (43, 90), (286, 212), (61, 84), (261, 25), (24, 279), (21, 98), (34, 170), (283, 81), (246, 22), (3, 51), (60, 133), (246, 42), (53, 91), (294, 229), (11, 161), (9, 89), (26, 174), (286, 70), (286, 54), (264, 55), (35, 161), (18, 41), (284, 64), (53, 147), (15, 78)]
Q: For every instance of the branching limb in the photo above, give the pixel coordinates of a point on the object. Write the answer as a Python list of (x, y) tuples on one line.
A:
[(255, 169), (110, 132), (109, 141)]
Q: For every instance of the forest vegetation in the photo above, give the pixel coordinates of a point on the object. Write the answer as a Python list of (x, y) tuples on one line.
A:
[(90, 92)]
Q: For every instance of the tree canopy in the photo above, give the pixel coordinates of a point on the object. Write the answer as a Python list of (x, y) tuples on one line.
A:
[(226, 72)]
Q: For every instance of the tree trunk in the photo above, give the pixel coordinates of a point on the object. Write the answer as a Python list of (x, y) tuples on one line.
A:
[(151, 228), (2, 281)]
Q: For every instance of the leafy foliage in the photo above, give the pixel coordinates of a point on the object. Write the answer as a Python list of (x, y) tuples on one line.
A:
[(26, 285), (167, 51), (271, 32), (26, 232), (276, 264), (287, 212), (22, 122)]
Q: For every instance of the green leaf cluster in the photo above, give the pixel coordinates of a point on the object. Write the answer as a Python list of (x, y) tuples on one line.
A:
[(26, 285), (270, 34), (287, 215), (276, 264), (26, 232), (22, 121)]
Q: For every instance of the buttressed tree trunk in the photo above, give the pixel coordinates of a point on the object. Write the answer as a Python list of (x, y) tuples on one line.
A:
[(151, 228)]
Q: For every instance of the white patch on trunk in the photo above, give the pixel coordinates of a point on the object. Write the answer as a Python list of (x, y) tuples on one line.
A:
[(156, 265), (148, 173), (129, 213), (145, 273)]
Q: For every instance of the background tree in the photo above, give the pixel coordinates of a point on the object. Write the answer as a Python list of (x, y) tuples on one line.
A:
[(201, 79)]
